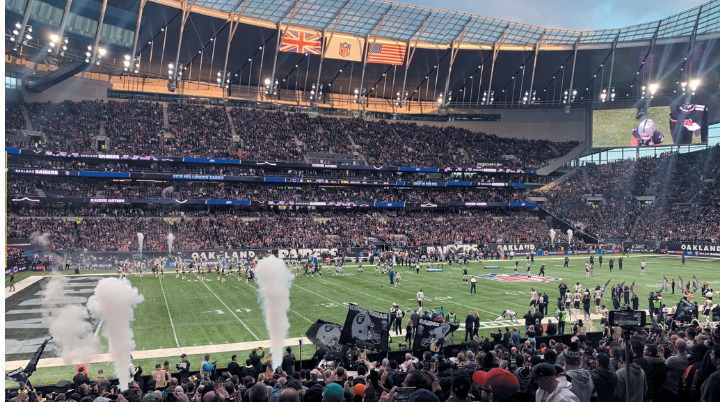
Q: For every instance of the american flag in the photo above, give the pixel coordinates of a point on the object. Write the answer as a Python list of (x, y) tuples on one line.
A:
[(301, 42), (384, 53)]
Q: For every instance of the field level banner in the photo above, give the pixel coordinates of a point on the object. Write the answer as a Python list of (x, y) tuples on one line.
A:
[(366, 329)]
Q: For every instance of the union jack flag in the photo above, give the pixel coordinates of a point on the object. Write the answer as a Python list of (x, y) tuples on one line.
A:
[(301, 42)]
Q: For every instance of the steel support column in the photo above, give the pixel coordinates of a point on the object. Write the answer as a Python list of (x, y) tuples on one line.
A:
[(375, 28), (26, 18), (185, 14), (495, 51), (98, 32), (137, 31), (231, 33), (409, 54), (691, 47), (325, 42), (572, 74), (532, 77), (612, 65), (453, 53), (292, 10)]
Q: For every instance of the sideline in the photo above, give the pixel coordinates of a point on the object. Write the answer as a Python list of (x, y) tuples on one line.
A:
[(220, 348), (25, 283)]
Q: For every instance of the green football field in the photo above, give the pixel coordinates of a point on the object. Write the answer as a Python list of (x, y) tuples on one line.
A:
[(192, 313)]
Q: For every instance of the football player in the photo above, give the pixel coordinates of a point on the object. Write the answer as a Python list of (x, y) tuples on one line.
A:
[(647, 135)]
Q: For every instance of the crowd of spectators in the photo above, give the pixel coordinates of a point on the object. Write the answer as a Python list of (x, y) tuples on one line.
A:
[(199, 131), (24, 187), (135, 128), (68, 126), (671, 178), (679, 223), (266, 136), (14, 119), (302, 231)]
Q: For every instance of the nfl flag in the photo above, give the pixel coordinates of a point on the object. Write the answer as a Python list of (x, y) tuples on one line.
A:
[(695, 284), (339, 47), (632, 287), (386, 53), (681, 284), (664, 285), (301, 42), (606, 285)]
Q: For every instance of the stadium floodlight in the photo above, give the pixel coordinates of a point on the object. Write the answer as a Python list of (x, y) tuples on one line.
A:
[(694, 85), (653, 89)]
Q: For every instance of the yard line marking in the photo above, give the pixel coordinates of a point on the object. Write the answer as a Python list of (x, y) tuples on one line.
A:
[(230, 310), (413, 293), (177, 344), (305, 318), (97, 330)]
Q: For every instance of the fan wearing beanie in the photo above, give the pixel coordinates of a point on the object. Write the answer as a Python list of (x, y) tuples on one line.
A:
[(525, 394), (581, 380)]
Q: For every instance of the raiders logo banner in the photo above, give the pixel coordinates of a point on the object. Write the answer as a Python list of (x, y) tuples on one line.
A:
[(366, 329), (326, 335), (431, 331)]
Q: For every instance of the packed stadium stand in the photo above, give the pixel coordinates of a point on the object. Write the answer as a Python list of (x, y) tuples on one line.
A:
[(124, 156)]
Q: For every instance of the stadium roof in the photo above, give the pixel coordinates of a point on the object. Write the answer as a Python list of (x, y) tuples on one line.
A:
[(397, 21), (679, 48)]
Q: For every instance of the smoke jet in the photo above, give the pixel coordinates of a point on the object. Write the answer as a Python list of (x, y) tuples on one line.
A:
[(69, 325), (114, 302), (274, 281), (141, 239), (170, 239)]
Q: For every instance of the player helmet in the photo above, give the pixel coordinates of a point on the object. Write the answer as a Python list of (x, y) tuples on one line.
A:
[(362, 329), (329, 335), (646, 129)]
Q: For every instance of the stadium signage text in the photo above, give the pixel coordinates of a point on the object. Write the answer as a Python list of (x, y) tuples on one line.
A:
[(516, 247), (700, 247)]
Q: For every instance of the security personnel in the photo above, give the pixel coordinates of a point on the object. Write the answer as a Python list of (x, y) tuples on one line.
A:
[(561, 321)]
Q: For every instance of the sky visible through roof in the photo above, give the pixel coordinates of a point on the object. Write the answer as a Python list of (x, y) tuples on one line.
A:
[(567, 14)]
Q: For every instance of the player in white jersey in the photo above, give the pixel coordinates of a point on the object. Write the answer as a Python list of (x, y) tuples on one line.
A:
[(533, 298), (578, 287), (598, 297), (642, 268), (507, 314), (397, 279)]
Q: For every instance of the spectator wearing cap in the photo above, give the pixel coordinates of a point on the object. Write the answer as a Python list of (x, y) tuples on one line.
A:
[(605, 380), (582, 383), (183, 369), (551, 389), (500, 384), (461, 383), (638, 388)]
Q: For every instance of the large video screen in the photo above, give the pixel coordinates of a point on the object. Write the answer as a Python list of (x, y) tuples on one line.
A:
[(681, 124)]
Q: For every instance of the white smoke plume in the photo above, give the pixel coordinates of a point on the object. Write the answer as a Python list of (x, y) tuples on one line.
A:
[(167, 190), (114, 302), (274, 281), (40, 239), (170, 239), (69, 325), (141, 238)]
